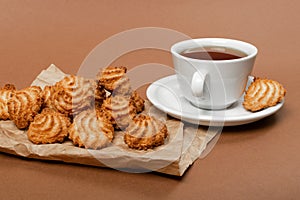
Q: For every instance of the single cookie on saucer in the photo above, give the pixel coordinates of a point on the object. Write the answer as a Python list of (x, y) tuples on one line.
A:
[(263, 93)]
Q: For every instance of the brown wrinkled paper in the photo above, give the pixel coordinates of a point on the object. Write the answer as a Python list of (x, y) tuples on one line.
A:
[(184, 145)]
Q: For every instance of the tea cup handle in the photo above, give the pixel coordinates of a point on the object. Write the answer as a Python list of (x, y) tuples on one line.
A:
[(197, 84)]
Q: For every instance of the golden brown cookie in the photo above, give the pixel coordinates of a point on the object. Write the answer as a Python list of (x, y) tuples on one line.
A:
[(120, 110), (263, 93), (102, 113), (72, 95), (5, 95), (114, 80), (48, 127), (24, 105), (91, 131), (138, 101), (47, 94), (145, 132)]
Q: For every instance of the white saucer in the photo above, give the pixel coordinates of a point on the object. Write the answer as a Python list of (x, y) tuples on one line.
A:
[(166, 96)]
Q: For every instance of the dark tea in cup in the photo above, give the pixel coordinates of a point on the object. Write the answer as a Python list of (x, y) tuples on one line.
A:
[(213, 53)]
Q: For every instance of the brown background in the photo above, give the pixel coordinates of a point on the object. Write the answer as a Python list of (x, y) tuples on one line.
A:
[(255, 161)]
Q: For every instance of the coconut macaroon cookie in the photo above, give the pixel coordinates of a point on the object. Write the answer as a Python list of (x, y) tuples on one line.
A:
[(5, 95), (24, 105), (91, 131), (47, 94), (114, 80), (48, 127), (121, 110), (138, 101), (72, 95), (263, 93), (145, 132)]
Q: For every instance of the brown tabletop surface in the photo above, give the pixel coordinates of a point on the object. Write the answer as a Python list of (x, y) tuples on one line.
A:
[(255, 161)]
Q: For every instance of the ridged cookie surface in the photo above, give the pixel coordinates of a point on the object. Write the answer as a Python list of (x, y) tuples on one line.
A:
[(72, 95), (145, 132), (138, 101), (90, 131), (5, 95), (120, 109), (48, 127), (24, 105), (114, 79), (263, 93), (47, 94)]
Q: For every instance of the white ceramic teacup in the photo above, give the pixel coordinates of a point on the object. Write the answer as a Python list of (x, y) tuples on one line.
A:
[(213, 84)]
